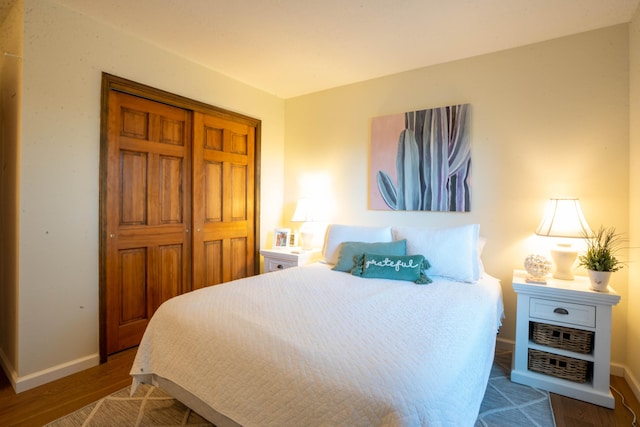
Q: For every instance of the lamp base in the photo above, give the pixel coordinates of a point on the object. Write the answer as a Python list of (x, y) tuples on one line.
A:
[(306, 238), (563, 258)]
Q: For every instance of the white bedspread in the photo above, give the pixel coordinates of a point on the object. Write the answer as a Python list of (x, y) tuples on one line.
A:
[(309, 346)]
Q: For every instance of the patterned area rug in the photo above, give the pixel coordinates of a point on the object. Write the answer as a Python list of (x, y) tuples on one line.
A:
[(505, 404), (149, 406), (512, 405)]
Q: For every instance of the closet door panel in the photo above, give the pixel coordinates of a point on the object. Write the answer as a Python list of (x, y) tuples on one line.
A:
[(171, 265), (132, 297), (213, 263), (132, 289), (239, 186), (223, 174), (133, 188), (238, 260), (148, 210), (213, 191), (171, 193)]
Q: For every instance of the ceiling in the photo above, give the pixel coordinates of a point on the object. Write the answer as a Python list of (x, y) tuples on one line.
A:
[(294, 47)]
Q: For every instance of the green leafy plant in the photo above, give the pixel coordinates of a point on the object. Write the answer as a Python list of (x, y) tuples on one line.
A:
[(601, 251)]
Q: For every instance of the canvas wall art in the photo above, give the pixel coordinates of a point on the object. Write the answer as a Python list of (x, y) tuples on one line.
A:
[(421, 161)]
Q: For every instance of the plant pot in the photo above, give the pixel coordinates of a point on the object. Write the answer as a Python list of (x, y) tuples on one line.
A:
[(599, 280)]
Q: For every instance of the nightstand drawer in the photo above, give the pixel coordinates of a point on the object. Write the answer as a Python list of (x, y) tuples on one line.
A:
[(574, 314), (279, 259), (272, 264)]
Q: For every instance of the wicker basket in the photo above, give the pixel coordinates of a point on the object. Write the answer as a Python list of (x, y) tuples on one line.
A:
[(558, 366), (560, 337)]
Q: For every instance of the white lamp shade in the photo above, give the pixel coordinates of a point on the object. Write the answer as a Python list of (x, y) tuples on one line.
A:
[(564, 218), (304, 211)]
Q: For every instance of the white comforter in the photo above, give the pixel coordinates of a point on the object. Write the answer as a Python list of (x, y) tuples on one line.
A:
[(309, 346)]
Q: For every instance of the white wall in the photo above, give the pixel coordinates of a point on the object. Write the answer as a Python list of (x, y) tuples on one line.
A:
[(547, 120), (64, 56)]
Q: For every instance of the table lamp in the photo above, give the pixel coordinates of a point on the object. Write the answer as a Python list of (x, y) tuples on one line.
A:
[(564, 218), (305, 214)]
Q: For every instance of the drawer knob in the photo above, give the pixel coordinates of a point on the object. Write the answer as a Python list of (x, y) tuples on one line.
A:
[(560, 310), (280, 267)]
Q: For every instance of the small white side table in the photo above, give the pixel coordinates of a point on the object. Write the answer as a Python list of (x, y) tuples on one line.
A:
[(570, 304), (279, 259)]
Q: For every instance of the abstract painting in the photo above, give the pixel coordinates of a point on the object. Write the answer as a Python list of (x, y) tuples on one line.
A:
[(421, 160)]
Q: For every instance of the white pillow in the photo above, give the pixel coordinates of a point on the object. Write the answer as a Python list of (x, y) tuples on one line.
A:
[(452, 251), (482, 241), (337, 234)]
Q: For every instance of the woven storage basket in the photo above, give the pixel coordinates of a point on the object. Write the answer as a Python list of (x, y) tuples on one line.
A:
[(560, 337), (558, 366)]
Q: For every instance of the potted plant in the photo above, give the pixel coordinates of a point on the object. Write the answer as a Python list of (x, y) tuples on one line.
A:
[(600, 258)]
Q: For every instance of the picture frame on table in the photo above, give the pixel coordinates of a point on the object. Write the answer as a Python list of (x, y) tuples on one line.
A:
[(281, 238), (293, 239)]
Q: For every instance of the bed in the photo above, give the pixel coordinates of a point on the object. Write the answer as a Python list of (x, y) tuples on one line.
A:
[(312, 345)]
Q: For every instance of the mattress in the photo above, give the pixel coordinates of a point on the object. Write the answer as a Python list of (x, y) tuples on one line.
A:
[(311, 346)]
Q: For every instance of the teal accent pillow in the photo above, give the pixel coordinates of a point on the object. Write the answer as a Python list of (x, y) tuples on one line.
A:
[(349, 250), (410, 267)]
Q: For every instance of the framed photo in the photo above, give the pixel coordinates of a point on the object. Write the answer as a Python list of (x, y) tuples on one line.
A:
[(293, 239), (281, 237)]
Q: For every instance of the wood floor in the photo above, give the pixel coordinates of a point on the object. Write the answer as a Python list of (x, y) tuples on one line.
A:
[(46, 403), (570, 412)]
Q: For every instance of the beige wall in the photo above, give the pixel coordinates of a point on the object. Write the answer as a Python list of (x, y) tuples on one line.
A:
[(550, 119), (633, 297), (64, 56)]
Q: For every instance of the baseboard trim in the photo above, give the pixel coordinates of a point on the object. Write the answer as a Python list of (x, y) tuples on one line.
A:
[(45, 376), (623, 371), (617, 369), (505, 344), (633, 383)]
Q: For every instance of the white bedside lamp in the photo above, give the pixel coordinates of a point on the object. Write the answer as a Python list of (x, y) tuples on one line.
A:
[(305, 214), (564, 218)]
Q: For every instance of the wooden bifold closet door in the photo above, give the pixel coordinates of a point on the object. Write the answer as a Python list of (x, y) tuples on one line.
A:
[(223, 216), (178, 204)]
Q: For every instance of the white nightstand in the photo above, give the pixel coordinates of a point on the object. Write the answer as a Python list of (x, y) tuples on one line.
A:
[(279, 259), (566, 309)]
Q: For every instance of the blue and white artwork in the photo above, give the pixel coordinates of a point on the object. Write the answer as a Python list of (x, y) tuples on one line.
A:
[(421, 161)]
